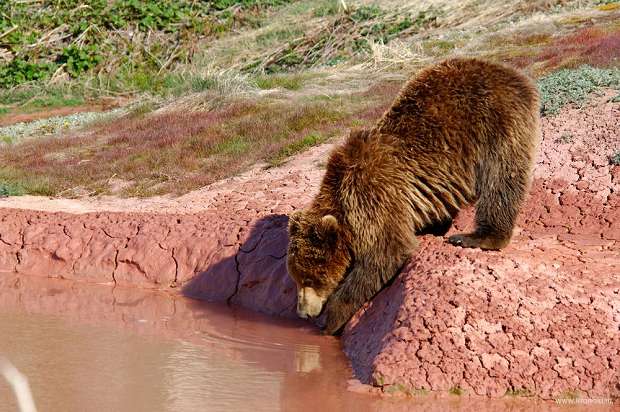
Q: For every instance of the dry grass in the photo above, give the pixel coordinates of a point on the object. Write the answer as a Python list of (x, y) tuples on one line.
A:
[(301, 35), (210, 88), (508, 31)]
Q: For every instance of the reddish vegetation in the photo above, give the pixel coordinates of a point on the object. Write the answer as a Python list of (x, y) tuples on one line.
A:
[(160, 130), (179, 151), (593, 45), (540, 317)]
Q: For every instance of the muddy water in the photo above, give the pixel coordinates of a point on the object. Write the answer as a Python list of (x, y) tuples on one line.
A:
[(96, 348), (84, 367)]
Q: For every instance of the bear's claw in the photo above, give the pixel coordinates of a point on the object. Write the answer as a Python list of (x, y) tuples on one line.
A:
[(474, 240)]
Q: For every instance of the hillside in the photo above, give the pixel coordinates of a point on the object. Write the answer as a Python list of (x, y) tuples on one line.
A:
[(143, 98)]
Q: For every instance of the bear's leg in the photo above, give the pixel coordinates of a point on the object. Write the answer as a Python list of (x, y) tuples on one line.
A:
[(362, 283), (357, 288), (501, 187)]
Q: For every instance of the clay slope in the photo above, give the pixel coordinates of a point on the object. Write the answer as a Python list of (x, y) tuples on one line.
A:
[(224, 243), (541, 317)]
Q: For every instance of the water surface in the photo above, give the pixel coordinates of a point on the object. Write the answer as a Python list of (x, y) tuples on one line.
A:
[(96, 348)]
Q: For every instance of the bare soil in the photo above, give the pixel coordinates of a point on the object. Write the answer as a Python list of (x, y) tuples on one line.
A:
[(20, 116)]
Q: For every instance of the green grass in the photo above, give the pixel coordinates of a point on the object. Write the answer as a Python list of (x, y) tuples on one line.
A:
[(293, 81), (34, 99), (236, 145), (16, 183), (93, 36), (92, 56), (40, 95), (521, 392), (455, 390), (53, 101), (573, 86), (327, 8), (615, 159), (10, 189), (443, 45), (298, 146)]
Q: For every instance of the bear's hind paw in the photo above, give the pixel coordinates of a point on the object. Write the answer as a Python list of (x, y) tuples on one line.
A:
[(473, 240)]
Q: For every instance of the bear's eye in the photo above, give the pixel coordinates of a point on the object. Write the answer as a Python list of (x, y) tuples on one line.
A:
[(314, 237)]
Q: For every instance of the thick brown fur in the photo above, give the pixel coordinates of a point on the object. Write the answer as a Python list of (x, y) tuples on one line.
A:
[(459, 132)]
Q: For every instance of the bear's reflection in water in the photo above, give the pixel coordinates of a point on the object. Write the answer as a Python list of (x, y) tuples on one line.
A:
[(91, 347)]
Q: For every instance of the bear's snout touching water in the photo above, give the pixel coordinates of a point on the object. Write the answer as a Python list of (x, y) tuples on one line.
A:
[(461, 132)]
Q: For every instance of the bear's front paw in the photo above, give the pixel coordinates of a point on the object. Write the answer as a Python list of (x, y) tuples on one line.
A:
[(333, 328), (335, 318)]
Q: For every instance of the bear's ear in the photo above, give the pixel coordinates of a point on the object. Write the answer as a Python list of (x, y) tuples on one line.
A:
[(361, 135), (294, 222), (329, 228)]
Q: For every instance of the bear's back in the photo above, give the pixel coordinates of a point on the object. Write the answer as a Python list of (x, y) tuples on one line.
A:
[(460, 104)]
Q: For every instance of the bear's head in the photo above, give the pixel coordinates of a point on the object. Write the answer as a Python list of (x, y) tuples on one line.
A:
[(318, 259)]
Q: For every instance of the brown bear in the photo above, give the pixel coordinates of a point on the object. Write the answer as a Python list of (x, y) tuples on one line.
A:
[(459, 132)]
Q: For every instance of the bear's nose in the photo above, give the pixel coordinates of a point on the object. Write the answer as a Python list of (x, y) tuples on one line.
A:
[(301, 313)]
